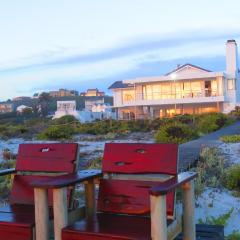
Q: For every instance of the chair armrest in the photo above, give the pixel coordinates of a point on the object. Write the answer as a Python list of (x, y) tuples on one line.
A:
[(66, 180), (7, 171), (173, 183)]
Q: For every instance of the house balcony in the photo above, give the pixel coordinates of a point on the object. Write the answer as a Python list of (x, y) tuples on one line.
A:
[(170, 98)]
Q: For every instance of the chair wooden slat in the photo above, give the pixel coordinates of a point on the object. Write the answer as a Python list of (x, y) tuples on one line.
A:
[(52, 157)]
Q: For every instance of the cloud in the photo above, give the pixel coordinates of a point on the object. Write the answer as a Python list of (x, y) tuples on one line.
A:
[(134, 57)]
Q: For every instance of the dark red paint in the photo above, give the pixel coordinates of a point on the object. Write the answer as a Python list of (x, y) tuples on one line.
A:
[(17, 220), (128, 197), (54, 157), (140, 158)]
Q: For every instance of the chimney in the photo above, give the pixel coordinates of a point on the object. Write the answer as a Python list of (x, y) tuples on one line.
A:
[(231, 58)]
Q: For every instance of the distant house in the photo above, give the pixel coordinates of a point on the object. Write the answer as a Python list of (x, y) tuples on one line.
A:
[(69, 108), (66, 108), (187, 89), (22, 108), (100, 107), (63, 93), (6, 107), (90, 102), (92, 93)]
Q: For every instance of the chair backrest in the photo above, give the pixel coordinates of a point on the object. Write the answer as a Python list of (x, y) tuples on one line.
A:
[(41, 159), (131, 169)]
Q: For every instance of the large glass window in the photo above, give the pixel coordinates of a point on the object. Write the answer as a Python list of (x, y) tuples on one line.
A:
[(128, 95), (196, 89)]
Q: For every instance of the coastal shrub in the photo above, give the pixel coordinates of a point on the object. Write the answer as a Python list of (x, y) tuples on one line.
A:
[(232, 180), (230, 138), (113, 126), (6, 181), (220, 220), (94, 163), (65, 119), (185, 118), (210, 168), (235, 235), (235, 112), (209, 122), (10, 131), (56, 133), (175, 132)]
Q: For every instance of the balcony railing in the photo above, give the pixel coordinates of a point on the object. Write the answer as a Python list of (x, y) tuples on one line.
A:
[(170, 95)]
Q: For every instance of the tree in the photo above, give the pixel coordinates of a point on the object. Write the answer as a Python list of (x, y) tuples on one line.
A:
[(43, 103), (27, 111)]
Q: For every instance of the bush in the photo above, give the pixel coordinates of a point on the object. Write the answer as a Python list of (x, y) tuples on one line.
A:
[(6, 181), (175, 132), (210, 169), (232, 181), (235, 112), (210, 122), (57, 133), (234, 236), (230, 138), (94, 163), (9, 131), (221, 220), (65, 119)]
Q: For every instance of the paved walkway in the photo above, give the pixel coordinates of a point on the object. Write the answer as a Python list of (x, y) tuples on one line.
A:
[(189, 152)]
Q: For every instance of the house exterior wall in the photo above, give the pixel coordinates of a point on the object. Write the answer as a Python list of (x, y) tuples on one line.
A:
[(6, 107), (187, 89)]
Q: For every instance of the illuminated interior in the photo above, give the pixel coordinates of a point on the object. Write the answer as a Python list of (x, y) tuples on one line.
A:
[(172, 90)]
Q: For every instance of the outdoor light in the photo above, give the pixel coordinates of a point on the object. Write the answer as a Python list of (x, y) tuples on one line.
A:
[(173, 76)]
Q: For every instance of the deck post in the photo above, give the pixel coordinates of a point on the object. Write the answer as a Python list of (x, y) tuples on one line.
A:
[(90, 198), (189, 228), (41, 214), (60, 211), (158, 217)]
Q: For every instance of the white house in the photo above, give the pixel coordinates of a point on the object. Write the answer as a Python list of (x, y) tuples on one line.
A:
[(69, 108), (21, 108), (186, 89), (66, 108)]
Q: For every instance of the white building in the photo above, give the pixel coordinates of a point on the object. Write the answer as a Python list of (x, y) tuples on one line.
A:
[(69, 108), (21, 108), (66, 108), (186, 89)]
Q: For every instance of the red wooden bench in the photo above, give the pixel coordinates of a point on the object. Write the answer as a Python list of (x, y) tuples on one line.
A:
[(136, 198), (34, 162)]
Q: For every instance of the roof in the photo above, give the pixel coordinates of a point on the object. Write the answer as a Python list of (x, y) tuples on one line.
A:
[(185, 65), (120, 84)]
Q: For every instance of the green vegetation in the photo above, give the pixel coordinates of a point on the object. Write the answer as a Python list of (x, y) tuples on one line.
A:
[(232, 181), (94, 163), (10, 131), (57, 133), (5, 181), (236, 112), (178, 129), (230, 138), (206, 123), (175, 132), (221, 220), (210, 169), (233, 236)]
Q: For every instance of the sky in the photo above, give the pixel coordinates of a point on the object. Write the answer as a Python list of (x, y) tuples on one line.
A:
[(78, 44)]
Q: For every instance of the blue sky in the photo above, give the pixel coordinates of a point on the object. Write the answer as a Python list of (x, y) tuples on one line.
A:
[(79, 44)]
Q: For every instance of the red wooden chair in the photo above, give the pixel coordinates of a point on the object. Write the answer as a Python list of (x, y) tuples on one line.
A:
[(136, 197), (34, 162)]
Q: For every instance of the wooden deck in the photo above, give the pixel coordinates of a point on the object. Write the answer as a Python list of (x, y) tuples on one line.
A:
[(207, 232)]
